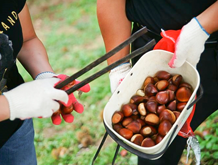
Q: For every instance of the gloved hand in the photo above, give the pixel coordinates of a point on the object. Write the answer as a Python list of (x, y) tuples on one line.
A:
[(35, 99), (56, 118), (187, 44), (118, 74)]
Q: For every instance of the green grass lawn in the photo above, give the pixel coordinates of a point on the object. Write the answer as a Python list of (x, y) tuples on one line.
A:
[(72, 38)]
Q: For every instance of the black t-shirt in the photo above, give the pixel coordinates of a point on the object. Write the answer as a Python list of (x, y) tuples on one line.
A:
[(165, 14), (10, 25)]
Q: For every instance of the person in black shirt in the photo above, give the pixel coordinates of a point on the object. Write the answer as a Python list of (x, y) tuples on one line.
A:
[(19, 101), (198, 23)]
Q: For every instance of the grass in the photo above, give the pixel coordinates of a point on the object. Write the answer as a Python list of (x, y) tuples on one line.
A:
[(72, 38)]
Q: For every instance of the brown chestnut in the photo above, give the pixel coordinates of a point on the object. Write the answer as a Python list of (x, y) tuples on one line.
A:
[(183, 94), (162, 97), (176, 113), (152, 119), (181, 106), (67, 110), (185, 84), (126, 121), (142, 122), (172, 105), (151, 106), (148, 80), (160, 108), (136, 99), (163, 75), (158, 139), (141, 109), (164, 127), (134, 126), (148, 142), (177, 79), (167, 115), (162, 85), (117, 127), (117, 117), (150, 90), (126, 133), (137, 139), (148, 131), (129, 109)]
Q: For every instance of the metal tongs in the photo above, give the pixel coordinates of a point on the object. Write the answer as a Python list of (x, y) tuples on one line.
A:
[(135, 53)]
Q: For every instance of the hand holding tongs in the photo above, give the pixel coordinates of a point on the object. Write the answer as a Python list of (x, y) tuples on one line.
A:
[(135, 53)]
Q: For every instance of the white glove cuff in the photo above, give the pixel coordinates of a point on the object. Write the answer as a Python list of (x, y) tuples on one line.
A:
[(46, 74), (195, 31)]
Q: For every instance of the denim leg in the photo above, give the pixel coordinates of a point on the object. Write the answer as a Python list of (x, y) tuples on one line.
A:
[(19, 149)]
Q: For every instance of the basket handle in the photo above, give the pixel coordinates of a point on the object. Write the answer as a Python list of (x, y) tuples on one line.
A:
[(201, 91)]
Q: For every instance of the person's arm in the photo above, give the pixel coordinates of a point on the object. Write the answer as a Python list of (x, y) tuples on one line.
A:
[(115, 29), (114, 26), (209, 18), (32, 55)]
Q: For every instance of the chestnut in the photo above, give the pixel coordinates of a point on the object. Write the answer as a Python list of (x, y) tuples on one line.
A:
[(117, 117), (148, 131), (167, 115), (152, 119), (158, 139), (117, 127), (136, 99), (141, 109), (181, 106), (162, 97), (150, 90), (185, 84), (126, 133), (151, 106), (162, 85), (134, 126), (148, 80), (140, 92), (137, 139), (128, 109), (164, 127), (67, 110), (147, 142), (163, 75), (176, 113), (172, 105), (141, 121), (171, 94), (172, 87), (126, 121), (152, 98), (160, 108), (58, 112), (177, 79), (183, 94)]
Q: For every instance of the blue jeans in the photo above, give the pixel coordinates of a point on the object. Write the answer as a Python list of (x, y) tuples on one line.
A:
[(19, 149)]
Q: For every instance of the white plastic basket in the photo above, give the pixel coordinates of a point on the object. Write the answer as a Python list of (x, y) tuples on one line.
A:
[(148, 65)]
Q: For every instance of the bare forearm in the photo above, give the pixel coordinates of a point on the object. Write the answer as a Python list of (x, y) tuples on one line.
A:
[(33, 57), (209, 18), (4, 108), (114, 25)]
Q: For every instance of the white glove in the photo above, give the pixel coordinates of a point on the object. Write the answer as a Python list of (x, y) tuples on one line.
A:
[(44, 75), (37, 98), (118, 74), (190, 44)]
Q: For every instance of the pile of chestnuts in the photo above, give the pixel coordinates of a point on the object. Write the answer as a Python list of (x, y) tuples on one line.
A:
[(152, 111)]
